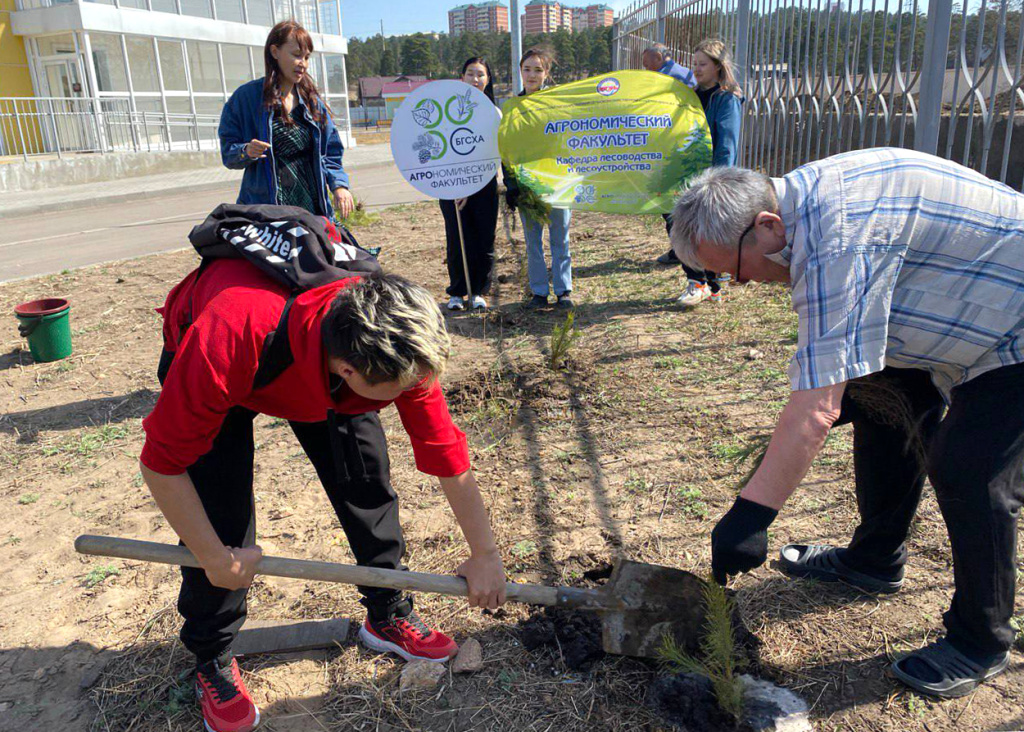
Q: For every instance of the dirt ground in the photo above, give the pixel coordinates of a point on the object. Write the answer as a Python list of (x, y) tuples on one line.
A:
[(634, 448)]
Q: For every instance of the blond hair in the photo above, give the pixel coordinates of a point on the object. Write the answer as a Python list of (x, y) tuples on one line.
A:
[(716, 50), (388, 329)]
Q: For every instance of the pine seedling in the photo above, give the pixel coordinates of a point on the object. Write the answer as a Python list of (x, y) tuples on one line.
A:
[(717, 660), (563, 336)]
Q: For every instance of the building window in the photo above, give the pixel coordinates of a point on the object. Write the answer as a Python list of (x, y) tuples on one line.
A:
[(197, 8), (229, 10), (172, 64), (335, 73), (260, 12), (164, 6), (329, 18), (236, 66), (106, 54), (205, 68), (142, 64), (54, 45)]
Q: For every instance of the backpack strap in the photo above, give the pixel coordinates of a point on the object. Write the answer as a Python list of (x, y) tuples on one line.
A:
[(276, 355)]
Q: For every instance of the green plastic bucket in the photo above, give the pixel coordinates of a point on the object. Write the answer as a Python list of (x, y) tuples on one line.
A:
[(47, 325)]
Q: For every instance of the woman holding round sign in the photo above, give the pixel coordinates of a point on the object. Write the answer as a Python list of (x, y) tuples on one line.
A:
[(280, 132), (479, 214)]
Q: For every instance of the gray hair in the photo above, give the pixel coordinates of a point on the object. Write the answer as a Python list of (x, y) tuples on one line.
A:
[(719, 204), (659, 48), (388, 329)]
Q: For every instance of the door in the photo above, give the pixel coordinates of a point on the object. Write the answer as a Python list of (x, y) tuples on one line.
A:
[(67, 113)]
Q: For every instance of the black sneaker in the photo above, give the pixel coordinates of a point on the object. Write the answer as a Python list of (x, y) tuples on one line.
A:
[(536, 302), (668, 257), (565, 301)]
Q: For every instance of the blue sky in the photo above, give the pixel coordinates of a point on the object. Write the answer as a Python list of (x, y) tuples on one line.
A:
[(361, 18)]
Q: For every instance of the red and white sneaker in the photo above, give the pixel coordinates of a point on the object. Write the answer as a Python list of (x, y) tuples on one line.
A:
[(409, 637), (223, 698)]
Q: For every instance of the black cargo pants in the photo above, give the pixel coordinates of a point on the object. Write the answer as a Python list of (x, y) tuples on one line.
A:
[(350, 456)]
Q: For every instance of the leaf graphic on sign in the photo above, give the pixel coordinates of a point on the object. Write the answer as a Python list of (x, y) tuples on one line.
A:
[(423, 115), (466, 106)]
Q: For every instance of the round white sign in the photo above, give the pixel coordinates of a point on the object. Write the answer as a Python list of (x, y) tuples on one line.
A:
[(444, 139)]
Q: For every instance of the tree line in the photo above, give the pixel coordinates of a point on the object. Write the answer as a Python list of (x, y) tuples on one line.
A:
[(440, 56)]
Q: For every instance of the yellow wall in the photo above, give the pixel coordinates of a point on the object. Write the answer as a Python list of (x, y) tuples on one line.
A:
[(15, 80)]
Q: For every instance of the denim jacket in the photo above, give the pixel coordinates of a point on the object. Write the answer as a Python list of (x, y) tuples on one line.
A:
[(245, 118), (724, 116)]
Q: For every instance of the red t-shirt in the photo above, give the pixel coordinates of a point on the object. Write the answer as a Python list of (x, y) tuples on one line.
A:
[(234, 307)]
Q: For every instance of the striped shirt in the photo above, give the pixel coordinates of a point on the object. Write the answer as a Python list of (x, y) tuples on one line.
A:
[(902, 259)]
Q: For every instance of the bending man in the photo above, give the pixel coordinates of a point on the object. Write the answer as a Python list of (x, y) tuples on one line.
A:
[(907, 274)]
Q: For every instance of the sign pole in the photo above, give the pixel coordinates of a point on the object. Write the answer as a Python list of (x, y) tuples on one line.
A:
[(462, 246), (517, 46)]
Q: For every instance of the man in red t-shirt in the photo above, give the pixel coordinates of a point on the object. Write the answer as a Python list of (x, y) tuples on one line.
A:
[(358, 345)]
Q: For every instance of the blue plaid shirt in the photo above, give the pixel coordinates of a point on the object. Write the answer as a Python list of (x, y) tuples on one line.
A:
[(902, 259)]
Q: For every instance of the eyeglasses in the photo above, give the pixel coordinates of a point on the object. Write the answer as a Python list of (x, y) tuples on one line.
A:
[(739, 249)]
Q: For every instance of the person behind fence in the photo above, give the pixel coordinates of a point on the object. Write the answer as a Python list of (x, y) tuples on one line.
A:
[(479, 219), (280, 132), (719, 95), (907, 276), (351, 348), (535, 66), (658, 58)]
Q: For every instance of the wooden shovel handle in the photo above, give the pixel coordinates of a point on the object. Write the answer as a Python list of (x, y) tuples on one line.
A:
[(149, 551)]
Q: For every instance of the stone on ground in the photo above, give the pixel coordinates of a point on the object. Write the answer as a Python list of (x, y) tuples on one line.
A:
[(420, 675), (470, 658), (770, 708)]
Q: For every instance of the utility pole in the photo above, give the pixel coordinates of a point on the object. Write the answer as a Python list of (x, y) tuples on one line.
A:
[(517, 46)]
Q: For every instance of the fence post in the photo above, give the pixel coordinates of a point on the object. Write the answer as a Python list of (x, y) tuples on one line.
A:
[(53, 124), (742, 35), (662, 12), (933, 76), (616, 43)]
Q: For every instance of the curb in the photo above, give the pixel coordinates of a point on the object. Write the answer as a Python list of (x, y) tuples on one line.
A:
[(140, 195)]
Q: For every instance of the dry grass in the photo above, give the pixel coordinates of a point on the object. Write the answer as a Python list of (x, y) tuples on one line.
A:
[(635, 448)]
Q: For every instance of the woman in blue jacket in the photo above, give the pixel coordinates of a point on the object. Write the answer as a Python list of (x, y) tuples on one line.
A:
[(280, 132), (719, 94)]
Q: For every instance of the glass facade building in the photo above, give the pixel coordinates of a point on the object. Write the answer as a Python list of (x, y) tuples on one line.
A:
[(167, 64)]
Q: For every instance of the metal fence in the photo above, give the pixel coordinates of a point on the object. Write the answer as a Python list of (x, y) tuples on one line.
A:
[(32, 126), (826, 76)]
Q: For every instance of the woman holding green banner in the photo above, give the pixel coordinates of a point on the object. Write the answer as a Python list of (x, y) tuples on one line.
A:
[(479, 220), (536, 68), (719, 95)]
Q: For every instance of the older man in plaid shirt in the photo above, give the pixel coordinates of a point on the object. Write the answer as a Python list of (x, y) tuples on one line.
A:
[(907, 274)]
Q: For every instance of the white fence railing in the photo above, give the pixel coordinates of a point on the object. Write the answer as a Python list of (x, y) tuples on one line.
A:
[(826, 76), (32, 126)]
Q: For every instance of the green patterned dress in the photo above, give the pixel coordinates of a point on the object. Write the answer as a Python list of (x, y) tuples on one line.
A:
[(295, 160)]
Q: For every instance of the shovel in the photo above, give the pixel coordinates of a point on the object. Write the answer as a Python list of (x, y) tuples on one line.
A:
[(638, 606)]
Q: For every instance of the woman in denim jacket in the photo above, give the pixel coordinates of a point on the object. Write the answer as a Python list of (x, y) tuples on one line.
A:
[(280, 132)]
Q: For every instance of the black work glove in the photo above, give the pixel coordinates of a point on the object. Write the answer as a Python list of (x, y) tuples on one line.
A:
[(739, 542), (512, 197)]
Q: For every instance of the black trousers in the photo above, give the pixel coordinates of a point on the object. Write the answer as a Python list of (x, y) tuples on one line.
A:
[(479, 221), (974, 457), (350, 455), (703, 276)]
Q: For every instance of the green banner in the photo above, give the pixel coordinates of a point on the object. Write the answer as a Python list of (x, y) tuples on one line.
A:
[(625, 143)]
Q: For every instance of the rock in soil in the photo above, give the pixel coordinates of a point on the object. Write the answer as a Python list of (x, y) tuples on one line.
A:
[(420, 675), (770, 708), (687, 702), (470, 657), (574, 635)]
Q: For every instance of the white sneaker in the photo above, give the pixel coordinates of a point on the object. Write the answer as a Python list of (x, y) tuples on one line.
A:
[(456, 303), (478, 303), (694, 294)]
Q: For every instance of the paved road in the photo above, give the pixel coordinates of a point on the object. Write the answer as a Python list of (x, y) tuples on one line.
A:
[(39, 245)]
